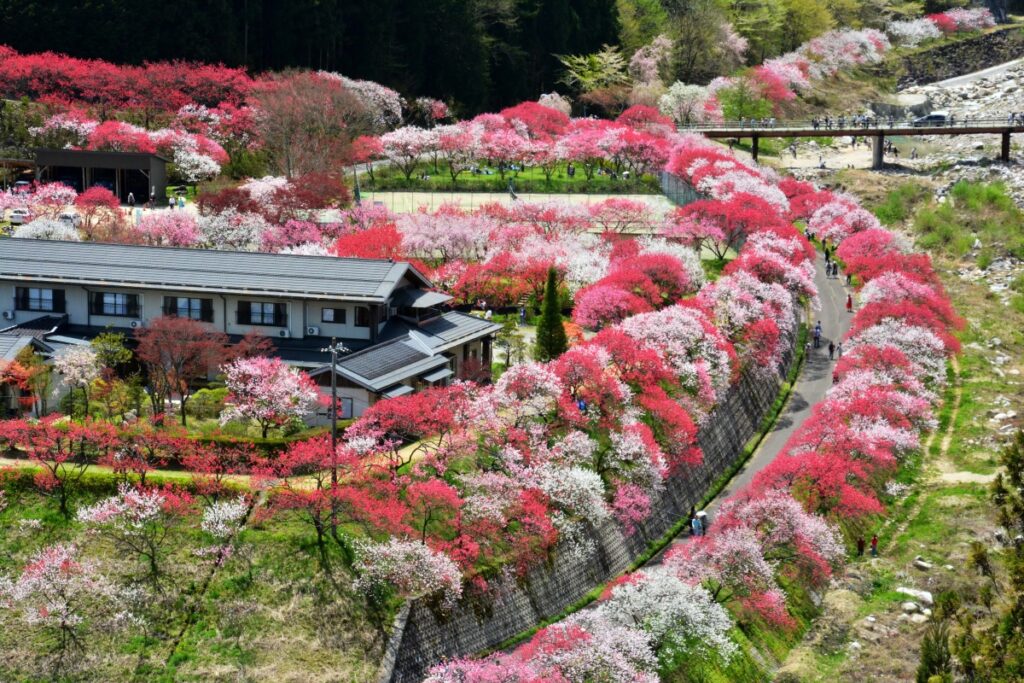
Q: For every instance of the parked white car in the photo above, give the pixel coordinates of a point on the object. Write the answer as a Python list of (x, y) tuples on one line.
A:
[(71, 219), (20, 216)]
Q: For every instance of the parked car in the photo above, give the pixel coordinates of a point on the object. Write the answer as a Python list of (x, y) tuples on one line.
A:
[(71, 219), (20, 216), (935, 119), (22, 186)]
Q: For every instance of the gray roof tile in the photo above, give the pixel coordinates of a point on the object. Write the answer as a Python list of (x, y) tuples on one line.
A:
[(201, 269)]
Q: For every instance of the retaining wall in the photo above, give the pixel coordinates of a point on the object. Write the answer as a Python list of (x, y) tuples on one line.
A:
[(429, 637), (960, 57)]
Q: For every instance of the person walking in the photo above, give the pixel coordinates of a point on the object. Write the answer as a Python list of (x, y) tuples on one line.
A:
[(181, 202), (698, 528), (817, 335), (839, 351), (131, 200), (171, 203), (860, 546), (831, 350), (849, 303), (874, 546)]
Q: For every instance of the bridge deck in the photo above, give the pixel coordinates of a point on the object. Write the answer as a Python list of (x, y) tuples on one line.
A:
[(808, 132)]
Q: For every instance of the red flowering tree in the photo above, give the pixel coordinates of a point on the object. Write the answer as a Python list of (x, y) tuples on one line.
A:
[(177, 353)]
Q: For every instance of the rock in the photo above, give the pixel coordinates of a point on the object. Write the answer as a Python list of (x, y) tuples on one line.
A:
[(870, 618), (927, 612), (909, 607), (948, 567), (918, 618), (854, 645), (922, 565), (923, 597)]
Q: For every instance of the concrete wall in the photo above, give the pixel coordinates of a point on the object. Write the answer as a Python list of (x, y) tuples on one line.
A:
[(429, 637)]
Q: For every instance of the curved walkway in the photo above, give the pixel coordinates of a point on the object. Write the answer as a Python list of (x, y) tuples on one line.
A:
[(814, 380)]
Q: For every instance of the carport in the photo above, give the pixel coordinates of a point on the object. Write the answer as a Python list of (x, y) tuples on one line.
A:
[(142, 174)]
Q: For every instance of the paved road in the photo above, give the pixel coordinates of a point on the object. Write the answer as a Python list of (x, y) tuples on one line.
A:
[(814, 380), (984, 73)]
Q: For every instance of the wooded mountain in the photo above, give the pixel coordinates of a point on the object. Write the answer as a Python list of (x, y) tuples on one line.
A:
[(483, 54)]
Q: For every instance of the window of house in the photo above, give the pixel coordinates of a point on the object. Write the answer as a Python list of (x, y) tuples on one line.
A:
[(39, 299), (333, 315), (362, 316), (114, 304), (189, 307), (262, 313)]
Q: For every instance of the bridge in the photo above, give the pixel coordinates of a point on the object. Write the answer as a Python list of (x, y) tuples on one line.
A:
[(877, 130)]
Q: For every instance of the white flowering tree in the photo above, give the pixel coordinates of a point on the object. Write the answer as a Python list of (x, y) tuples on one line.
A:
[(57, 593), (47, 229), (677, 617), (78, 367), (412, 568)]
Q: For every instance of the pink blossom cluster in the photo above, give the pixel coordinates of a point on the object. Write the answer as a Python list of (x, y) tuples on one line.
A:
[(196, 156), (962, 19), (836, 466), (531, 134), (893, 359)]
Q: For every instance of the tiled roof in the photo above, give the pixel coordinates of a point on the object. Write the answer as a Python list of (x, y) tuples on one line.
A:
[(231, 272)]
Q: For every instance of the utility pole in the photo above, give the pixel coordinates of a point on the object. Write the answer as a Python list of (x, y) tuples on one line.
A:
[(334, 349)]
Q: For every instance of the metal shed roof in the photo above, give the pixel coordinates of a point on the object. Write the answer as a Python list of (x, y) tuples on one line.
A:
[(226, 272), (11, 345), (385, 364)]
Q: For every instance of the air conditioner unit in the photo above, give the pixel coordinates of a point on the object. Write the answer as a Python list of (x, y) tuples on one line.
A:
[(135, 324), (312, 331), (8, 315), (284, 333)]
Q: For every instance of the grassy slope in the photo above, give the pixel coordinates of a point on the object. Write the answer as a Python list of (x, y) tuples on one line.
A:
[(270, 613)]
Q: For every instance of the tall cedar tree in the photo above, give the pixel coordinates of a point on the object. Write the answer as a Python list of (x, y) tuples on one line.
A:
[(551, 339)]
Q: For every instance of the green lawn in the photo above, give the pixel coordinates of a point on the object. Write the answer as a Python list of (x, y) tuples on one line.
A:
[(527, 180)]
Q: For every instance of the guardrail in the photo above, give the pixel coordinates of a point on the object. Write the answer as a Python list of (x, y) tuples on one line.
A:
[(850, 123)]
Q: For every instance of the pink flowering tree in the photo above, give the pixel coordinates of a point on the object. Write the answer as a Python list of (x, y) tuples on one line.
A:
[(57, 593), (139, 522), (169, 228), (268, 392), (406, 147)]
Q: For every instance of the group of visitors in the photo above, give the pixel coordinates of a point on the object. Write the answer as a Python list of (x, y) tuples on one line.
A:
[(765, 122)]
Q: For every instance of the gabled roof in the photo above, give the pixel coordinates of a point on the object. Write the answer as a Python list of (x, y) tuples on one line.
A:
[(37, 327), (411, 351), (384, 365), (203, 270), (443, 332)]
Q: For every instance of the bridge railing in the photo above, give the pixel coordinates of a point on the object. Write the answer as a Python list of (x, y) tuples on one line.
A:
[(848, 123)]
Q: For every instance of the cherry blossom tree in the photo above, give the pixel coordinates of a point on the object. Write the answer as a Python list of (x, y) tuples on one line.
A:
[(268, 392), (61, 450), (139, 522), (406, 146), (78, 367), (678, 618), (169, 228)]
